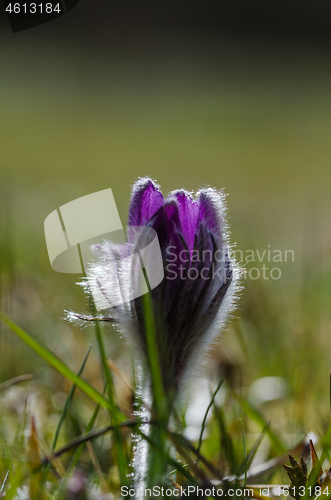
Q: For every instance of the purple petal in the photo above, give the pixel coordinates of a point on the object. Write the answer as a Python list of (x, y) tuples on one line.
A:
[(188, 211), (146, 199), (167, 225), (211, 211), (174, 248)]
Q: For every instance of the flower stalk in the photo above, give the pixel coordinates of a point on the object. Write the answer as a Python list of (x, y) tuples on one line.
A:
[(160, 407)]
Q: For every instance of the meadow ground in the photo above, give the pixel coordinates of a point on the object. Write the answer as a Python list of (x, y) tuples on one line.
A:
[(253, 120)]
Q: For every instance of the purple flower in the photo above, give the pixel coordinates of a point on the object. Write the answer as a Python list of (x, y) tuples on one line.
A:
[(192, 301)]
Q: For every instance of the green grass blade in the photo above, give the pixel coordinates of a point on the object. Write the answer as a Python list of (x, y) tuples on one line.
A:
[(6, 457), (254, 414), (157, 455), (3, 484), (121, 461), (184, 445), (80, 448), (203, 425), (244, 467), (168, 458), (226, 439), (60, 366), (68, 402), (244, 450), (77, 454), (153, 357), (16, 380)]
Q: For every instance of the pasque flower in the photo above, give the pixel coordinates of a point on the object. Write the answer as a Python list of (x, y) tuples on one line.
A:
[(192, 301)]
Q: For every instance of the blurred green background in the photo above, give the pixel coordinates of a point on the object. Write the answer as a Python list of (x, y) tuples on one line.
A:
[(85, 109)]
